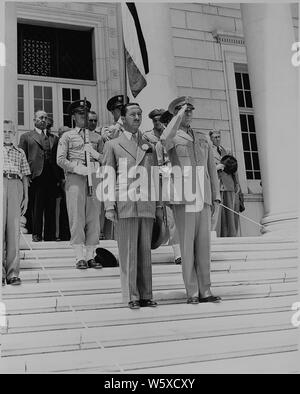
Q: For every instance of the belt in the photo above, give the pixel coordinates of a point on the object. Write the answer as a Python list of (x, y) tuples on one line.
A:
[(11, 176)]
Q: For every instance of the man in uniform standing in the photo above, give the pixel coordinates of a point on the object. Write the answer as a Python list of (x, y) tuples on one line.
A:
[(114, 105), (83, 210), (191, 151), (153, 136), (133, 216)]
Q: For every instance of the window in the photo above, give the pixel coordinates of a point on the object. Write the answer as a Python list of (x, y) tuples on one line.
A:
[(21, 120), (246, 113), (54, 52), (43, 99), (69, 95)]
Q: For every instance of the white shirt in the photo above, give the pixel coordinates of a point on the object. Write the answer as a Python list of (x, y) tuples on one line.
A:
[(39, 131)]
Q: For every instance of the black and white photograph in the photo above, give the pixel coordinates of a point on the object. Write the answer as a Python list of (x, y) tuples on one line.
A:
[(150, 190)]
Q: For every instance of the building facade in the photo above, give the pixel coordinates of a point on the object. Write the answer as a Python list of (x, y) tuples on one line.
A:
[(58, 52)]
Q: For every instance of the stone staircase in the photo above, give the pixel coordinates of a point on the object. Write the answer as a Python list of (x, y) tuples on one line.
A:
[(62, 320)]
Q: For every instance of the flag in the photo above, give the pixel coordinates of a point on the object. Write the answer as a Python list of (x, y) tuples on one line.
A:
[(136, 56)]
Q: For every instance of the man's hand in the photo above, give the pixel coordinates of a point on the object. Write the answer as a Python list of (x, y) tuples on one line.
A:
[(111, 215), (80, 169), (220, 167), (88, 148), (159, 213), (215, 206), (24, 206)]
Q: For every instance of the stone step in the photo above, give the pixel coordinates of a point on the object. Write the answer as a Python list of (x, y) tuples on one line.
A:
[(55, 303), (120, 316), (280, 363), (165, 254), (160, 354), (40, 275), (102, 284), (140, 332), (217, 265)]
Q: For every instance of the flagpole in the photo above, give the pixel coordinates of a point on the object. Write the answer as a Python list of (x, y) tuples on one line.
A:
[(124, 58)]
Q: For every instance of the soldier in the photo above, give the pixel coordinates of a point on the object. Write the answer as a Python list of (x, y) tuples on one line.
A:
[(153, 136), (83, 210), (15, 200), (192, 151), (114, 105)]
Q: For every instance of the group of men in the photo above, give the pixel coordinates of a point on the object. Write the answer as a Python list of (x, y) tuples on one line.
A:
[(81, 154)]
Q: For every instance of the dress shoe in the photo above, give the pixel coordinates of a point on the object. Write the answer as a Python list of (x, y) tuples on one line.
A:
[(36, 238), (178, 261), (134, 304), (94, 264), (81, 265), (210, 298), (193, 300), (14, 281), (148, 303)]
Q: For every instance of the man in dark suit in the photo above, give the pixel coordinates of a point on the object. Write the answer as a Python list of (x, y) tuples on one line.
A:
[(40, 148)]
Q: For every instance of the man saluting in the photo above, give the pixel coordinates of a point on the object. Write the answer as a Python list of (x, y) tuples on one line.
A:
[(83, 210)]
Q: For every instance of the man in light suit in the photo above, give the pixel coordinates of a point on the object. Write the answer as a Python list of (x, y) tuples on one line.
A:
[(132, 215), (40, 147), (188, 151), (225, 222)]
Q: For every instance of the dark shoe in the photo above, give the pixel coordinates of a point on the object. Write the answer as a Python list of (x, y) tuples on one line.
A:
[(14, 281), (36, 238), (193, 300), (94, 264), (81, 265), (211, 298), (148, 303), (134, 304), (3, 281), (178, 261)]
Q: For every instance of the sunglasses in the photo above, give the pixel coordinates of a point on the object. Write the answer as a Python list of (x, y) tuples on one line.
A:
[(93, 120)]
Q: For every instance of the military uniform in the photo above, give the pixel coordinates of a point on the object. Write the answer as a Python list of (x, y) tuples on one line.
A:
[(165, 167), (190, 150), (15, 167), (83, 210), (114, 130)]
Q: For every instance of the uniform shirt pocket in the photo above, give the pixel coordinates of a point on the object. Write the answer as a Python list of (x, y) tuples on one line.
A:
[(182, 150)]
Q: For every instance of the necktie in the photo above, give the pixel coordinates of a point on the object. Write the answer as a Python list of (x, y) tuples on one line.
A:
[(135, 138), (219, 150)]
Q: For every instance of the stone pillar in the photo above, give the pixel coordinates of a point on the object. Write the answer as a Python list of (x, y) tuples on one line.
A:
[(11, 72), (161, 84), (269, 36), (2, 65)]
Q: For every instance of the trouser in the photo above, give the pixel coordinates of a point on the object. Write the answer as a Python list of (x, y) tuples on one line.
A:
[(43, 204), (83, 211), (194, 236), (12, 199), (134, 243), (174, 240), (229, 219)]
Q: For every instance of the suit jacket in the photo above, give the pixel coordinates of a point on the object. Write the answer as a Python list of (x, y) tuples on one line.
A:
[(123, 157), (227, 181), (32, 144), (192, 151)]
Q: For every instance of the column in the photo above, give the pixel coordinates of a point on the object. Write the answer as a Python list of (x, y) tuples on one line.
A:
[(269, 36), (10, 83), (161, 86)]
